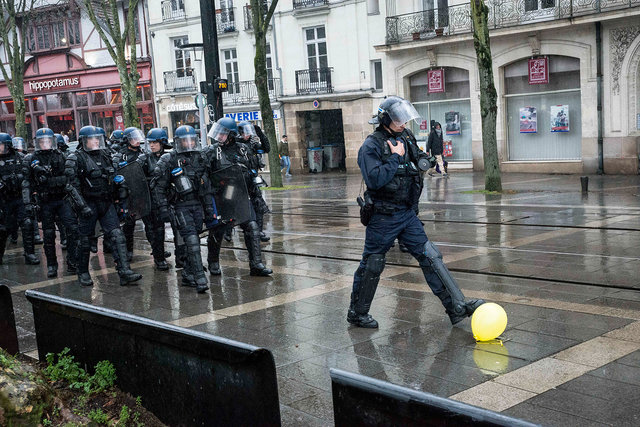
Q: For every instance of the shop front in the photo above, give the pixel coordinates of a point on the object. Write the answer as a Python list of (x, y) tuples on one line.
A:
[(443, 95), (65, 102)]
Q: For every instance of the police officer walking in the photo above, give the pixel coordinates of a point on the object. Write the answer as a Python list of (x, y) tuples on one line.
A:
[(390, 164), (63, 148), (12, 208), (157, 140), (45, 186), (180, 184), (93, 188), (224, 152)]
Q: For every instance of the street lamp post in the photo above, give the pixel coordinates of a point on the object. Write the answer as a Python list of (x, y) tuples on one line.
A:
[(211, 59)]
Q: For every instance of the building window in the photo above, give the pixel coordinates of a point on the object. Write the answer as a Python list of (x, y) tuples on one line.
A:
[(51, 35), (533, 5), (373, 7), (231, 69), (269, 68), (181, 58), (226, 14), (136, 24), (316, 43), (376, 74)]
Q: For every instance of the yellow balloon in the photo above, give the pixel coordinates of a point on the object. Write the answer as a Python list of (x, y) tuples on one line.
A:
[(488, 321)]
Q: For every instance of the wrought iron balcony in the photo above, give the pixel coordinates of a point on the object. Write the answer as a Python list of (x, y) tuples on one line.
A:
[(246, 92), (300, 4), (179, 81), (172, 10), (225, 20), (316, 80), (502, 13), (248, 15)]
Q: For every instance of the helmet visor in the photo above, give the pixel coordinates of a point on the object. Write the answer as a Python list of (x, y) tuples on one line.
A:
[(93, 142), (18, 144), (44, 143), (135, 138), (247, 131), (219, 133), (187, 143), (402, 112)]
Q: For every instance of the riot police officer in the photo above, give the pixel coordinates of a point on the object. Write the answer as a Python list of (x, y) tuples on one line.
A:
[(390, 164), (12, 209), (20, 147), (250, 137), (157, 141), (180, 187), (44, 178), (134, 141), (116, 141), (93, 188), (63, 148), (226, 151)]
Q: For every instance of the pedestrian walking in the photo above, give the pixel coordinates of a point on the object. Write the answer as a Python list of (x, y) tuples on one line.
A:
[(283, 149), (435, 145)]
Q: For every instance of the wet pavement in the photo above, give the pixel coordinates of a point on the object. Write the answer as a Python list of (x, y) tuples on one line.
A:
[(565, 266)]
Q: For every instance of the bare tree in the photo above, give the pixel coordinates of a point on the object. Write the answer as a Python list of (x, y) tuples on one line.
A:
[(120, 41), (261, 15), (13, 26), (488, 95)]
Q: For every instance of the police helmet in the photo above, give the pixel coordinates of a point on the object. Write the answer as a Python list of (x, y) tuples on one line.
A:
[(246, 130), (396, 110), (185, 139), (18, 143), (45, 140), (133, 136), (117, 136), (224, 131), (62, 145), (160, 135), (91, 138), (6, 144)]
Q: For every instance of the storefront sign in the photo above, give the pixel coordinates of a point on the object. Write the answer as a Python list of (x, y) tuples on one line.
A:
[(435, 81), (538, 71), (181, 106), (452, 123), (447, 149), (250, 115), (119, 122), (528, 120), (559, 118), (54, 83)]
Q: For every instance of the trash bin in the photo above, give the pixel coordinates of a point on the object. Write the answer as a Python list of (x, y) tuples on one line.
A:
[(314, 156), (332, 156)]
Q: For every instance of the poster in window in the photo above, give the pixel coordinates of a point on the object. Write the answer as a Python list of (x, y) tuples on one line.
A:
[(528, 120), (559, 118), (452, 123), (538, 71), (447, 148), (435, 81)]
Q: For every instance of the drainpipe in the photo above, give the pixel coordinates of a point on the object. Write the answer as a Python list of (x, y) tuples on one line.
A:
[(599, 95)]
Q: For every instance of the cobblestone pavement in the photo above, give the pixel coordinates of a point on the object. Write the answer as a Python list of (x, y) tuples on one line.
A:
[(565, 266)]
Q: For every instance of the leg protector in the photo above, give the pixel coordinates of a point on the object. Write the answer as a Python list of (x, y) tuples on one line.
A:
[(84, 252), (127, 230), (50, 246), (119, 248), (369, 283), (451, 296), (252, 241), (213, 257), (196, 268), (72, 247), (28, 242)]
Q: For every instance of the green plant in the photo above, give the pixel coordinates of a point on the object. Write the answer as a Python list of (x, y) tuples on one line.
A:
[(47, 422), (6, 360), (66, 369), (125, 415), (104, 378), (97, 416), (139, 401)]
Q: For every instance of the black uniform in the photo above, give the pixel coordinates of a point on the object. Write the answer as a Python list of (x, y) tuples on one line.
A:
[(46, 180), (189, 202), (128, 154), (260, 207), (12, 208), (219, 157), (93, 192)]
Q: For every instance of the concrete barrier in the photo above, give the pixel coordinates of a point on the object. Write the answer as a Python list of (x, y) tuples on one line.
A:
[(363, 401), (186, 378)]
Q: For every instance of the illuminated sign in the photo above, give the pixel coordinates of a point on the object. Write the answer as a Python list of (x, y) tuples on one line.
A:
[(220, 85)]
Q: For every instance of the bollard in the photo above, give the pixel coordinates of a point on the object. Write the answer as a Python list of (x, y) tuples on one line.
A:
[(584, 180)]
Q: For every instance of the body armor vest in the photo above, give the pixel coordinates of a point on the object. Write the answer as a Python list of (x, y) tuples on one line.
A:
[(193, 167), (11, 175), (96, 172), (49, 179)]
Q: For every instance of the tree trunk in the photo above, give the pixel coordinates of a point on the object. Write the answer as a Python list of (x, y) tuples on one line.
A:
[(488, 95), (20, 111), (129, 97), (260, 26)]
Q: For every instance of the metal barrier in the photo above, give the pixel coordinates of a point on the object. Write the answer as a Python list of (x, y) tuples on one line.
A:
[(365, 401), (183, 376), (8, 333)]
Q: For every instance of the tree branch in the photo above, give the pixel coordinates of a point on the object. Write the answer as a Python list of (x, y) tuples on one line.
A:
[(103, 36)]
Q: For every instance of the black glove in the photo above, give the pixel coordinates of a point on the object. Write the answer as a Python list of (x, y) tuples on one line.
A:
[(164, 215), (86, 212)]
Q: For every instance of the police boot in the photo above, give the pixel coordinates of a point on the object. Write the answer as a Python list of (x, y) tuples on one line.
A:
[(252, 240), (259, 221), (28, 244), (73, 249), (52, 271), (213, 255), (359, 315), (119, 248), (3, 243), (195, 262), (84, 252), (180, 254), (50, 250), (458, 312), (157, 245)]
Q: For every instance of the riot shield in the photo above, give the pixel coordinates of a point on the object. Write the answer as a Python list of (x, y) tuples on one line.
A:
[(231, 195), (139, 201)]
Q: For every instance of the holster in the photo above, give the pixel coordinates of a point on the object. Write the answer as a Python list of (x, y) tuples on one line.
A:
[(366, 209)]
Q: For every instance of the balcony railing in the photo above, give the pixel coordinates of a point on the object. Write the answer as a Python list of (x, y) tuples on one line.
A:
[(317, 80), (172, 10), (248, 15), (502, 13), (246, 92), (300, 4), (225, 20), (179, 81)]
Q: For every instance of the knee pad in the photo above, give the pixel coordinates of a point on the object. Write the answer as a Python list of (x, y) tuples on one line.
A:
[(375, 264), (49, 235), (252, 227), (430, 255), (192, 240), (117, 236), (27, 223)]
